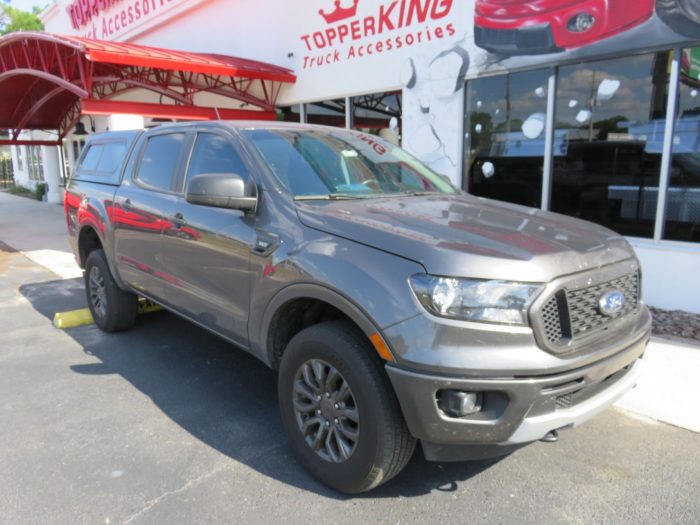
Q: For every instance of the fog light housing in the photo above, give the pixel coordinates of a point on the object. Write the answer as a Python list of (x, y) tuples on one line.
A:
[(457, 403), (581, 23)]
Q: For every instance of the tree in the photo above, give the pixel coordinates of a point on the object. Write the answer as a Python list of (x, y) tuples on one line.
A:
[(13, 19)]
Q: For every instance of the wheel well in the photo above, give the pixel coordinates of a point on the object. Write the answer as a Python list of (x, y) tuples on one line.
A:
[(88, 241), (293, 317)]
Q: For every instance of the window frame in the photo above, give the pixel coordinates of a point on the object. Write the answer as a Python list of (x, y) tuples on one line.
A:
[(100, 142), (177, 172), (181, 186)]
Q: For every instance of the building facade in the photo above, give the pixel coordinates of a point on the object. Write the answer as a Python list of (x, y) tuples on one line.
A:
[(588, 108)]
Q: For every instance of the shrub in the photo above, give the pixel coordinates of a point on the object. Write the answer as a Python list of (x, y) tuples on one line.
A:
[(40, 190)]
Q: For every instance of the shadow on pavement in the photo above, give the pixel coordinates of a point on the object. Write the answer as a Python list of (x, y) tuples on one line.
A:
[(221, 395)]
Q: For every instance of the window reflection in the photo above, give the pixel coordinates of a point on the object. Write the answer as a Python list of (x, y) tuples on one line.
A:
[(682, 221), (378, 114), (504, 136), (608, 143), (327, 113), (289, 113)]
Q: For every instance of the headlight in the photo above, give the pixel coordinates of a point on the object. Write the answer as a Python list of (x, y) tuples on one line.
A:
[(475, 300)]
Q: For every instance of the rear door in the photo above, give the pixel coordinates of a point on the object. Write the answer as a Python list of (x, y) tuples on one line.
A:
[(207, 250), (138, 213)]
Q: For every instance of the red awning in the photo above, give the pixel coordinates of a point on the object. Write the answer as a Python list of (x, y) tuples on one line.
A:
[(47, 80)]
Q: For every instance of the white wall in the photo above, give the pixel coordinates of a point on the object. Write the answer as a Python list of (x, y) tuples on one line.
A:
[(125, 122), (52, 173), (670, 274)]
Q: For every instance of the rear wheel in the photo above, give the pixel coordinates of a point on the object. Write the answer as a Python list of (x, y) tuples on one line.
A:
[(683, 16), (112, 308), (339, 410)]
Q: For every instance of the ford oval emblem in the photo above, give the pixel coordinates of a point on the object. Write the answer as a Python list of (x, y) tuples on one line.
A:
[(611, 302)]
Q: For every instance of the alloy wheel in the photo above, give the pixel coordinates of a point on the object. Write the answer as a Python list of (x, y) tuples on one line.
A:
[(98, 291), (326, 411)]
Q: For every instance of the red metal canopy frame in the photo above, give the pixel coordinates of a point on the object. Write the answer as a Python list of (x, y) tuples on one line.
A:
[(47, 81)]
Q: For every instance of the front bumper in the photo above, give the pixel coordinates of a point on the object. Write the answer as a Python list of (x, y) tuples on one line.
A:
[(532, 40), (530, 28), (516, 410)]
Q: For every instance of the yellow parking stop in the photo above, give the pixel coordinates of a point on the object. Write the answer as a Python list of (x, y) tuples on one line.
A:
[(73, 318)]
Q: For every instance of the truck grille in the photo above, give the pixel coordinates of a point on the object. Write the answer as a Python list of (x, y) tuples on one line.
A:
[(571, 314), (583, 304), (552, 320)]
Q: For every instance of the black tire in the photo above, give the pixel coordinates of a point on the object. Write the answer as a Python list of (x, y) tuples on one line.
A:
[(683, 16), (384, 444), (112, 308)]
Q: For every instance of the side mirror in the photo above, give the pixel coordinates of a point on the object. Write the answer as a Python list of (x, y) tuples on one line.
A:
[(222, 190)]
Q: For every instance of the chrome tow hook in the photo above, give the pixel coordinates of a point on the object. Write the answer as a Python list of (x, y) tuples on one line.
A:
[(551, 437)]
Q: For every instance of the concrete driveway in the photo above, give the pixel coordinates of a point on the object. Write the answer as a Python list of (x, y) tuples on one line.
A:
[(168, 424)]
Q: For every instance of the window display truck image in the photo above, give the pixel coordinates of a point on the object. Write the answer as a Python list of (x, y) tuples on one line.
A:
[(513, 27)]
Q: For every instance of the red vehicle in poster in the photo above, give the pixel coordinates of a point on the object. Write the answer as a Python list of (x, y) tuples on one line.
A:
[(531, 27)]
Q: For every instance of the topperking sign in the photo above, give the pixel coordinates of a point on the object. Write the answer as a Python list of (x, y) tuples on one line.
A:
[(104, 19), (389, 25)]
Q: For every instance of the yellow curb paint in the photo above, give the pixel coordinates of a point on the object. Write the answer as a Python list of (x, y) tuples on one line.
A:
[(73, 318)]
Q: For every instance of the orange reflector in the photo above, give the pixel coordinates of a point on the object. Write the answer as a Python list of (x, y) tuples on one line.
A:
[(381, 347)]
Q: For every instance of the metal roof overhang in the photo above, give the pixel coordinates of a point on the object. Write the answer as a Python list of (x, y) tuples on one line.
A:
[(47, 81)]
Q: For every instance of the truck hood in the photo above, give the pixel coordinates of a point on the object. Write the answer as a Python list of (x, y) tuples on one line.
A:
[(466, 236)]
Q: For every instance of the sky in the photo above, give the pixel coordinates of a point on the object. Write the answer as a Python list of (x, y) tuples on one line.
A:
[(26, 5)]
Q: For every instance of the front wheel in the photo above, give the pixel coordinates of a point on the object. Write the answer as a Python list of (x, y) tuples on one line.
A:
[(683, 16), (112, 308), (339, 410)]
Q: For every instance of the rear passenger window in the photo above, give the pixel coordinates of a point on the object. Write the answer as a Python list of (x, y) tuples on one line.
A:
[(159, 160), (103, 158), (112, 157), (215, 154), (92, 157)]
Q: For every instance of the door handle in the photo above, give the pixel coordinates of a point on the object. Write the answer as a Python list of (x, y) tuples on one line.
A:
[(127, 204)]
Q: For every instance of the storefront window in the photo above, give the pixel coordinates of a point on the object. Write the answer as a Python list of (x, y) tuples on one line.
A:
[(35, 163), (682, 221), (504, 136), (289, 113), (327, 113), (378, 114), (608, 141)]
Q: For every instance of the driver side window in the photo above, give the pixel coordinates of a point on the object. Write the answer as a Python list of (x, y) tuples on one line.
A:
[(215, 154)]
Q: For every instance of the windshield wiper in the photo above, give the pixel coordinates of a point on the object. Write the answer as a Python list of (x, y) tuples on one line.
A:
[(329, 197)]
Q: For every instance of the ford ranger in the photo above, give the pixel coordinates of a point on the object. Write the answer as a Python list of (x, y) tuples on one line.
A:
[(395, 308)]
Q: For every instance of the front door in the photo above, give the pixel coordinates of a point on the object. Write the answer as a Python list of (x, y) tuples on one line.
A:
[(207, 250)]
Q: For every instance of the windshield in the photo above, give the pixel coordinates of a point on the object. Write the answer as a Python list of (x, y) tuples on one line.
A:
[(315, 164)]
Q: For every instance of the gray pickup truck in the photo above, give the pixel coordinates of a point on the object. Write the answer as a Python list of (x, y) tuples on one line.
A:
[(395, 307)]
